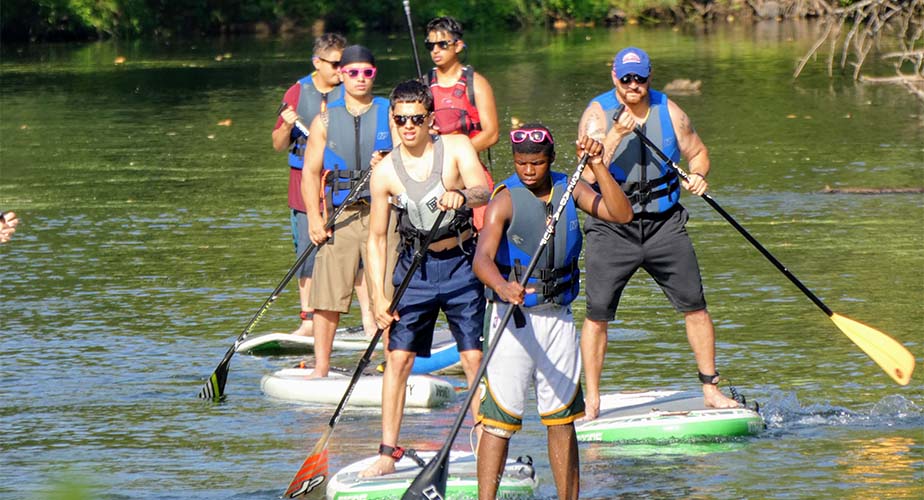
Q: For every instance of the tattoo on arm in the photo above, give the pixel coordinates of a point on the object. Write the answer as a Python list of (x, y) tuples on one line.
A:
[(476, 196), (595, 209)]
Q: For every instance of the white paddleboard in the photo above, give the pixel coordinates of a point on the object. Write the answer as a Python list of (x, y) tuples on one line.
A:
[(277, 344), (664, 416), (293, 384), (519, 479)]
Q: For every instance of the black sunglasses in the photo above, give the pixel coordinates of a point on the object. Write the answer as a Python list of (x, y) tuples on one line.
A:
[(417, 120), (442, 44), (632, 76), (333, 64)]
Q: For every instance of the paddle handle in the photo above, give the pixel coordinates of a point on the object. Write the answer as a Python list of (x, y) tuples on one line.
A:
[(410, 28)]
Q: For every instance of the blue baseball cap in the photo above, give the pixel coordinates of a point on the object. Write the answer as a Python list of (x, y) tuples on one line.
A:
[(631, 60)]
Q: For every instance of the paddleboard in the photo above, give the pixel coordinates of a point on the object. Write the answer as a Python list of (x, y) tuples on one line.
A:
[(664, 416), (279, 344), (293, 384), (518, 481)]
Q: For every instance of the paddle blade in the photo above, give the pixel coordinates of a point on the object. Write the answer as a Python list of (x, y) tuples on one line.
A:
[(313, 473), (887, 352), (430, 484), (214, 387)]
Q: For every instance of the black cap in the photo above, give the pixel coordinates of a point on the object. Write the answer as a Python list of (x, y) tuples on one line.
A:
[(356, 54)]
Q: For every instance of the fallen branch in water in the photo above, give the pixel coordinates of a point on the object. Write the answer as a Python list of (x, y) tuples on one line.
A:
[(867, 190)]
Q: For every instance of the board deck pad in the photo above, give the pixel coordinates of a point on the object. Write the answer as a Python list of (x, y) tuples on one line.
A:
[(518, 481), (665, 416)]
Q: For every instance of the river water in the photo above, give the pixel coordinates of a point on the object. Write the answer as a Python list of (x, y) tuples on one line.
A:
[(150, 235)]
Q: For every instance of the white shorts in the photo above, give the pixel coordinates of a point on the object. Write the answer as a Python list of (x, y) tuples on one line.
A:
[(546, 352)]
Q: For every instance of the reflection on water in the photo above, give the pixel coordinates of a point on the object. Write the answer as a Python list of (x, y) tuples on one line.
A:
[(151, 234)]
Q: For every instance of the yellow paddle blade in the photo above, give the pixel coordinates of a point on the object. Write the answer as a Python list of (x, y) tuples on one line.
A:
[(887, 352)]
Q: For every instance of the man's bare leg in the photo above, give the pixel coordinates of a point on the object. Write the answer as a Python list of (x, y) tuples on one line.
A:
[(492, 456), (593, 352), (325, 324), (563, 457), (304, 291), (394, 388), (365, 305), (701, 335)]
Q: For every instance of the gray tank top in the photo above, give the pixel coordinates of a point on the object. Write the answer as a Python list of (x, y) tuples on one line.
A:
[(419, 199)]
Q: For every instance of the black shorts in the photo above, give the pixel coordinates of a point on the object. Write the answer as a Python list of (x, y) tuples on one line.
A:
[(658, 244)]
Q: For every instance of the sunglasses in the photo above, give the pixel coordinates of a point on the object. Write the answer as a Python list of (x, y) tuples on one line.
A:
[(333, 64), (442, 44), (354, 73), (417, 120), (535, 135), (632, 76)]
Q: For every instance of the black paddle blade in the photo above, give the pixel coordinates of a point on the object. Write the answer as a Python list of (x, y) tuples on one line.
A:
[(214, 387), (430, 484)]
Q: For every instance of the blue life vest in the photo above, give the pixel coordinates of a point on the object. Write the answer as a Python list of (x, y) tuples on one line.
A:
[(556, 277), (310, 103), (650, 185), (351, 140)]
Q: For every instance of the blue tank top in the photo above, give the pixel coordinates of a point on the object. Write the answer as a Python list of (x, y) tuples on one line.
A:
[(310, 103), (556, 277), (351, 140), (650, 185)]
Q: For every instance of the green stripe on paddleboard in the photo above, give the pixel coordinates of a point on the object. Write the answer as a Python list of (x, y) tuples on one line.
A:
[(452, 492), (672, 427)]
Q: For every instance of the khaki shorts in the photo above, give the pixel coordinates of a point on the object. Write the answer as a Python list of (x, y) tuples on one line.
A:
[(338, 261)]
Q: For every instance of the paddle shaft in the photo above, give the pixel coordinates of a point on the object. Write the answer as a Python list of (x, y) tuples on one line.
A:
[(438, 465), (731, 220), (215, 387), (410, 28), (297, 486)]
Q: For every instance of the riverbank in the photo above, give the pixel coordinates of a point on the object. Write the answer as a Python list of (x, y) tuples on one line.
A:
[(73, 20)]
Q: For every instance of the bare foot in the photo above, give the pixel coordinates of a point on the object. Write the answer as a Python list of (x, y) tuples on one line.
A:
[(384, 465), (306, 329), (714, 398), (315, 374)]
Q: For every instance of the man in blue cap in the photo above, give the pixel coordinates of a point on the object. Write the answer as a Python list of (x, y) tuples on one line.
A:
[(656, 240)]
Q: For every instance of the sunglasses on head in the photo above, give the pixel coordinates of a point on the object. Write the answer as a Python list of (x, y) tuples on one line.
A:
[(442, 44), (354, 73), (417, 120), (632, 76), (536, 135), (334, 64)]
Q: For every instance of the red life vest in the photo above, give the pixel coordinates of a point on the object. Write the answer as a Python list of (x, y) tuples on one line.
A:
[(455, 109)]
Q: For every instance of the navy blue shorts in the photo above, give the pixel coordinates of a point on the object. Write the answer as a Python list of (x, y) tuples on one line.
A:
[(302, 240), (443, 282)]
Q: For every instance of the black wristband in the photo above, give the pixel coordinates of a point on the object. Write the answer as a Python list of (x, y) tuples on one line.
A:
[(395, 452), (709, 379)]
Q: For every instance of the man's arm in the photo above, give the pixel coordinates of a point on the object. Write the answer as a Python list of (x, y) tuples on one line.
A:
[(474, 183), (615, 206), (496, 218), (311, 179), (377, 245), (593, 125), (282, 132), (487, 114), (692, 148)]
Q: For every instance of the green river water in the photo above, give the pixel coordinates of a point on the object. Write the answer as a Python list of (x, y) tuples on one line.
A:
[(150, 235)]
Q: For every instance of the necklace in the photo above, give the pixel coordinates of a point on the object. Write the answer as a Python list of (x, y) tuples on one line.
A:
[(358, 110)]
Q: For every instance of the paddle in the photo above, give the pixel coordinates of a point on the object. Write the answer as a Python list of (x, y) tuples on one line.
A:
[(431, 482), (410, 28), (888, 353), (214, 387), (313, 472)]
